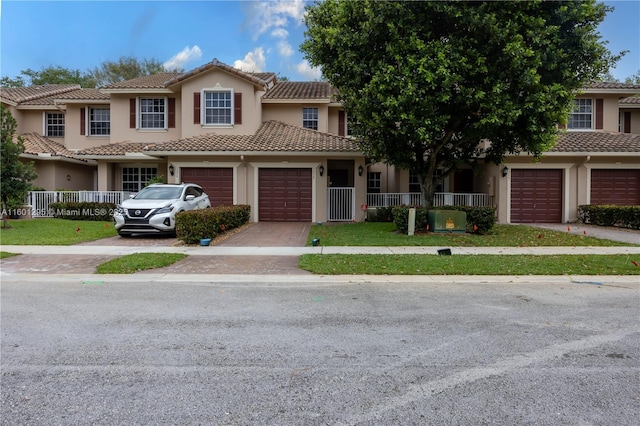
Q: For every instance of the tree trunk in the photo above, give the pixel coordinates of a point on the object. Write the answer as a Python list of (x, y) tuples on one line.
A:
[(426, 189), (5, 215)]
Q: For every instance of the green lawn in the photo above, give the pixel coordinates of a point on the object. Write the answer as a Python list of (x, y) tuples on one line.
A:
[(5, 254), (63, 232), (132, 263), (383, 234), (412, 264)]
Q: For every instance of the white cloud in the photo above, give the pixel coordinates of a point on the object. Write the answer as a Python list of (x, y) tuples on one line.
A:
[(186, 55), (280, 33), (252, 61), (285, 49), (308, 71), (275, 14)]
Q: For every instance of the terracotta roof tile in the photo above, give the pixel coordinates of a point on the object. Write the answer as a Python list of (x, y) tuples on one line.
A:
[(19, 95), (82, 95), (261, 79), (303, 90), (120, 148), (272, 136), (35, 144), (632, 100), (153, 81), (611, 85), (597, 142)]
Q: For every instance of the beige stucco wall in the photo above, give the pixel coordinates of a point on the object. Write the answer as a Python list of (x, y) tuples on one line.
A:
[(291, 113), (57, 175), (251, 106), (33, 121), (73, 139), (635, 119), (120, 130)]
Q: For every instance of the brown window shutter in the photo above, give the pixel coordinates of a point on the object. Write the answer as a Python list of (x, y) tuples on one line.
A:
[(237, 108), (599, 108), (341, 123), (627, 122), (196, 108), (83, 123), (172, 112), (132, 113)]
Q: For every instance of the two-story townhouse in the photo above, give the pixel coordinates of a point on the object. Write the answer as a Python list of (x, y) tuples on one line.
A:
[(281, 147), (244, 137)]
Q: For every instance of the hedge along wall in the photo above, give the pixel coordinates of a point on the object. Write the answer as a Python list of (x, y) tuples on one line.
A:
[(480, 220), (620, 216), (194, 225)]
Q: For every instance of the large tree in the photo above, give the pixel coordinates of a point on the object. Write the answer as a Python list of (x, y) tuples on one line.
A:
[(425, 83), (125, 68), (15, 176)]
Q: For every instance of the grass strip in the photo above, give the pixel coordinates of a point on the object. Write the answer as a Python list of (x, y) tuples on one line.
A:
[(59, 232), (136, 262), (417, 264), (384, 234), (5, 254)]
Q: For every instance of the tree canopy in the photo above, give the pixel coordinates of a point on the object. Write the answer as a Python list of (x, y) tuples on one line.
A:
[(425, 82), (15, 176), (125, 68)]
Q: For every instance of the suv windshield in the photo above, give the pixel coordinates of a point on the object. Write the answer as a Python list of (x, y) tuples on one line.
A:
[(159, 193)]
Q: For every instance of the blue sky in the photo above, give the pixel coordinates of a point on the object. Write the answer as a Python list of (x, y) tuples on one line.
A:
[(252, 35)]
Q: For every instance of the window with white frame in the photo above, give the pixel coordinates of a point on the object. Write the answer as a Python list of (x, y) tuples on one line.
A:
[(581, 115), (374, 185), (153, 113), (54, 124), (310, 118), (135, 178), (99, 121), (218, 107)]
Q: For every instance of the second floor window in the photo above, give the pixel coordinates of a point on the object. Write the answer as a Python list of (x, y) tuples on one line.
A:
[(152, 113), (99, 121), (310, 118), (581, 115), (218, 107), (54, 124)]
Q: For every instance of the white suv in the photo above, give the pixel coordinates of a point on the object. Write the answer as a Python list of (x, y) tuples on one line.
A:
[(153, 210)]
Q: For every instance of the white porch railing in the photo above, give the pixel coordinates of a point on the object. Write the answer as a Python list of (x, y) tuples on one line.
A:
[(40, 200), (341, 205), (439, 199)]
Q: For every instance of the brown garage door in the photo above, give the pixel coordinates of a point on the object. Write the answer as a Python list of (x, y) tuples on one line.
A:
[(217, 182), (284, 195), (618, 187), (536, 196)]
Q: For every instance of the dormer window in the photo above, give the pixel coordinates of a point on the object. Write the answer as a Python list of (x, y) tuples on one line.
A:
[(581, 116)]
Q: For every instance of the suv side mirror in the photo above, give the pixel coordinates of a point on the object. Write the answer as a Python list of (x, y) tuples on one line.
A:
[(190, 197)]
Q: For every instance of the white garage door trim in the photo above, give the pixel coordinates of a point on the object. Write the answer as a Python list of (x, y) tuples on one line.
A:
[(178, 166), (566, 178), (265, 165)]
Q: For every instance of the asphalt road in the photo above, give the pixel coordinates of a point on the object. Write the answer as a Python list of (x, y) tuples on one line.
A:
[(249, 353)]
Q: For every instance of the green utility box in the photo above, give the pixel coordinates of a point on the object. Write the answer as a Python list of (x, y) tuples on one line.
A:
[(447, 221)]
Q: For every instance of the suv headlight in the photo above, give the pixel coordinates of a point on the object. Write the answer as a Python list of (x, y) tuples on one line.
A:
[(119, 210), (165, 209)]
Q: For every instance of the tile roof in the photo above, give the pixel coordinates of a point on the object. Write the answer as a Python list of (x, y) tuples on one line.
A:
[(631, 100), (261, 79), (611, 85), (19, 95), (153, 81), (117, 149), (35, 144), (83, 95), (302, 90), (597, 142), (272, 136)]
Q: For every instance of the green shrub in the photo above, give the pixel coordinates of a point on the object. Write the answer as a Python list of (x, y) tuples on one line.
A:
[(86, 210), (401, 218), (380, 214), (480, 220), (608, 215), (194, 225)]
